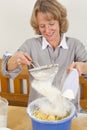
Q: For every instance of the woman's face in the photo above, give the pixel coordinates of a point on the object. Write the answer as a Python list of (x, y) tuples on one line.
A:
[(48, 28)]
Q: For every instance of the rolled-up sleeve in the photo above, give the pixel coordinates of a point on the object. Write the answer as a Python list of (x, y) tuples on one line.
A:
[(7, 73)]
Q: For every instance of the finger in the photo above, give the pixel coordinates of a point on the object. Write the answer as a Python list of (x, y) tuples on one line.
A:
[(27, 56), (23, 60), (73, 65), (19, 61)]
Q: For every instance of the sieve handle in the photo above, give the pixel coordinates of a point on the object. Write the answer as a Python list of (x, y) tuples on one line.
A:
[(36, 64)]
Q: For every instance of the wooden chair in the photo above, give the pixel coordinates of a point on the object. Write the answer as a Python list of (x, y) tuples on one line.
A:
[(16, 97), (83, 101)]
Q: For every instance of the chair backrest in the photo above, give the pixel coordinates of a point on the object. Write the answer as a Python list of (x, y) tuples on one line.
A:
[(14, 90), (83, 85)]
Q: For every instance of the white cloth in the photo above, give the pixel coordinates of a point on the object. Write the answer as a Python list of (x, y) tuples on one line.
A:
[(71, 84)]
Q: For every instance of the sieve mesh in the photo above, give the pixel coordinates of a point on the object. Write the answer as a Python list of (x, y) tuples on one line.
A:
[(44, 72)]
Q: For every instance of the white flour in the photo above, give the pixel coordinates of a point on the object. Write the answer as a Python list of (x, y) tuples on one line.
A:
[(57, 104)]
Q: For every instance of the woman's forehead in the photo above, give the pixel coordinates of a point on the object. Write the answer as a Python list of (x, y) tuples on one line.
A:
[(47, 15)]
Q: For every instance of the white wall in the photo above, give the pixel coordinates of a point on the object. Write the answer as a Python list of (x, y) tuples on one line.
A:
[(15, 28)]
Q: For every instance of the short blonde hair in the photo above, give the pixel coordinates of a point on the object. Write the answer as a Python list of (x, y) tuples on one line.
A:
[(53, 7)]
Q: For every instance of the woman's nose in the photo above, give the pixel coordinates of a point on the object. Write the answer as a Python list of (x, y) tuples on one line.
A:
[(47, 29)]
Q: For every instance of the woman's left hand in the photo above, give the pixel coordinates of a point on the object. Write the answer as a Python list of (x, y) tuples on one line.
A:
[(80, 66)]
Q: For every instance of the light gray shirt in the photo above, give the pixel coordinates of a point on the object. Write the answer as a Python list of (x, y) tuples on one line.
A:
[(70, 50)]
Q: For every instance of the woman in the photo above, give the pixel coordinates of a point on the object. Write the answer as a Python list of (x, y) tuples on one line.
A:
[(49, 21)]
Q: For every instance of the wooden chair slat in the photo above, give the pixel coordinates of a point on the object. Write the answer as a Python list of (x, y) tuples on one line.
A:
[(17, 86), (4, 82)]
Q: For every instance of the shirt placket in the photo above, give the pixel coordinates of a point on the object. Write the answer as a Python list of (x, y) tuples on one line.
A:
[(53, 54)]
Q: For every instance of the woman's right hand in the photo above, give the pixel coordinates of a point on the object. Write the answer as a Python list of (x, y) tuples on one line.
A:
[(18, 59)]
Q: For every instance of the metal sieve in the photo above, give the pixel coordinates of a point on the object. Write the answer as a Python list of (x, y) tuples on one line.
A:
[(44, 72)]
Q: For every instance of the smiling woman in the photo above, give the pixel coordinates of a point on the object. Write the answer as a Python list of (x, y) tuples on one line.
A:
[(52, 46)]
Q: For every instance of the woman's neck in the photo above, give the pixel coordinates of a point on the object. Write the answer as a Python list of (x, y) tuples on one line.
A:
[(55, 43)]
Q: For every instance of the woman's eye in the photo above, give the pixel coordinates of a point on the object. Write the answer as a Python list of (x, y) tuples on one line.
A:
[(41, 26), (51, 24)]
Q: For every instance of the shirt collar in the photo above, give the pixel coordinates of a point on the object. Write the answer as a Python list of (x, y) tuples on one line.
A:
[(63, 43)]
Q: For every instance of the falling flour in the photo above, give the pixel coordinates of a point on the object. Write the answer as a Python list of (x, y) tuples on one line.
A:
[(56, 104)]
